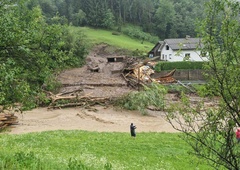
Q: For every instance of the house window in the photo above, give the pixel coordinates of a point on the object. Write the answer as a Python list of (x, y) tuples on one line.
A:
[(203, 54), (170, 56), (187, 57), (167, 47), (163, 57)]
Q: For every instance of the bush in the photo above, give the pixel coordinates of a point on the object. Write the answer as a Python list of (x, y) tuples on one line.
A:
[(152, 95), (135, 32), (183, 65)]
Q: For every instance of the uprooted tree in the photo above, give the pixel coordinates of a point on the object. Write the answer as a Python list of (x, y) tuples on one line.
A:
[(211, 132)]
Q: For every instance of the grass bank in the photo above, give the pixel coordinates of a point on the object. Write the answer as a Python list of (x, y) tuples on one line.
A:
[(92, 150), (98, 36)]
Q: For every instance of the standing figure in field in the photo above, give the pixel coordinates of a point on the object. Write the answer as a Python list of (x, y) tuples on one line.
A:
[(238, 135), (132, 130)]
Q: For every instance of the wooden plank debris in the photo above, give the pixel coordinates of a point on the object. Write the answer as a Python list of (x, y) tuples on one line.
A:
[(140, 74), (7, 119)]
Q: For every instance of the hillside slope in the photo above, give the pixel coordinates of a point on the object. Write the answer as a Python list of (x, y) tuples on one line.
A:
[(125, 44)]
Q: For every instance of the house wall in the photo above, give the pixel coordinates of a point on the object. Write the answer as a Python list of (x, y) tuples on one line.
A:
[(166, 55), (193, 55), (174, 55)]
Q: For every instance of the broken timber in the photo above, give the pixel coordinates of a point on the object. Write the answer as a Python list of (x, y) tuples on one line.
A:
[(7, 119), (166, 78), (140, 74), (73, 100)]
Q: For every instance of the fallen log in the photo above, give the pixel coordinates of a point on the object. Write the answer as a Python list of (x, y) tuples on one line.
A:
[(69, 92), (73, 101)]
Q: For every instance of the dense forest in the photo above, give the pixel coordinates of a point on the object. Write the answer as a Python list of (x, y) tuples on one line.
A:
[(163, 18)]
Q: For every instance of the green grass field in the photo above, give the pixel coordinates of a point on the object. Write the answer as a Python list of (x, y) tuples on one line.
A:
[(98, 36), (60, 150)]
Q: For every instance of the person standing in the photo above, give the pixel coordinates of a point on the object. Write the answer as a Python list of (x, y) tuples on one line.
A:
[(238, 135), (132, 130)]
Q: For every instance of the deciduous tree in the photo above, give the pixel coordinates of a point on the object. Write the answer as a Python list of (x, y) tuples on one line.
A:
[(211, 131), (31, 51)]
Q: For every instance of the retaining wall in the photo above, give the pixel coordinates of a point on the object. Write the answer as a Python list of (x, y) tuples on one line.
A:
[(183, 74)]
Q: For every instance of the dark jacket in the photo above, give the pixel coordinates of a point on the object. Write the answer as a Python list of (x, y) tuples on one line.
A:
[(132, 130)]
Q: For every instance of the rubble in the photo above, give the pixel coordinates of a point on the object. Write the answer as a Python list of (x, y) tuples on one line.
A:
[(141, 74), (106, 76), (7, 118)]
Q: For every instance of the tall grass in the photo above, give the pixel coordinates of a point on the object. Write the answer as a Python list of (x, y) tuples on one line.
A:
[(97, 36), (60, 150)]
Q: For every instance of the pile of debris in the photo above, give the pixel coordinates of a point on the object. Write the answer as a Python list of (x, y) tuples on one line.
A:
[(106, 76), (73, 99), (7, 118), (141, 73)]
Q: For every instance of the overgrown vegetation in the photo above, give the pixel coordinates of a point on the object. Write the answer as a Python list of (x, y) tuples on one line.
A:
[(153, 95), (137, 33), (74, 150), (211, 131), (31, 51)]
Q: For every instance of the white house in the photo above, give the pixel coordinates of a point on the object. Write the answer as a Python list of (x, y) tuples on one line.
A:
[(179, 49)]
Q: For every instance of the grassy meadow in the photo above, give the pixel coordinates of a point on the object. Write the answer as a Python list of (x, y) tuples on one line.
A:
[(74, 150), (98, 36)]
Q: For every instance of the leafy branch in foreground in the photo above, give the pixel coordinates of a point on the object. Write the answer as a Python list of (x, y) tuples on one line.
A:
[(210, 131)]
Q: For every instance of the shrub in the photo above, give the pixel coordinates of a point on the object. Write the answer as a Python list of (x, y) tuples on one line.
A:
[(184, 65), (135, 32), (152, 95)]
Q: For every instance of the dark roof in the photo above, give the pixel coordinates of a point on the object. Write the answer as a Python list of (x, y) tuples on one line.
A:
[(183, 43), (156, 47)]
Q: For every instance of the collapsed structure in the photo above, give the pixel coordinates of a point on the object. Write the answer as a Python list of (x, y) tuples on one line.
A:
[(141, 74)]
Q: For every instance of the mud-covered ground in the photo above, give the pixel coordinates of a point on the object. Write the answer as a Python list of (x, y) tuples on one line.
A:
[(107, 82)]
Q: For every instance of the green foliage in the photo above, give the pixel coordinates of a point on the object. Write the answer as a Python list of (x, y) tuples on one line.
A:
[(214, 127), (13, 89), (137, 33), (181, 65), (74, 164), (51, 83), (31, 51), (79, 18), (121, 42), (108, 20), (165, 23), (152, 95), (26, 160), (205, 91), (178, 89), (163, 18), (108, 166), (56, 150)]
